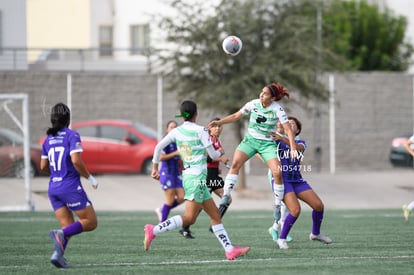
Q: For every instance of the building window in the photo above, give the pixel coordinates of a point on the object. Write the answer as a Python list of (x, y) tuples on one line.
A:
[(139, 39), (105, 40)]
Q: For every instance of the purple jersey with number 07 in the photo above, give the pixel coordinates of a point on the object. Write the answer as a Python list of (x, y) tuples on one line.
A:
[(57, 149)]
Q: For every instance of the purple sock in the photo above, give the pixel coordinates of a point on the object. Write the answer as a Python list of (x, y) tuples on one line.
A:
[(73, 229), (165, 211), (175, 203), (289, 222), (317, 217)]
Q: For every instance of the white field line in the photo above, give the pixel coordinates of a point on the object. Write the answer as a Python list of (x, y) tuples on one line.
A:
[(151, 217), (208, 262)]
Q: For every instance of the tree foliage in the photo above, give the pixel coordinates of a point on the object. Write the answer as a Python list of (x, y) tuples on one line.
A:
[(370, 39), (279, 44)]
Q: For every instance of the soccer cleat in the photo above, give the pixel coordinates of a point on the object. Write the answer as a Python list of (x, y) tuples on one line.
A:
[(224, 205), (322, 238), (59, 240), (406, 212), (159, 214), (225, 201), (236, 252), (274, 234), (186, 233), (282, 243), (223, 209), (58, 260), (149, 236)]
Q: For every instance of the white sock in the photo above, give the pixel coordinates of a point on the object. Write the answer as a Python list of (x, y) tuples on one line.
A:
[(283, 213), (229, 183), (167, 225), (411, 206), (222, 236), (278, 190), (276, 226)]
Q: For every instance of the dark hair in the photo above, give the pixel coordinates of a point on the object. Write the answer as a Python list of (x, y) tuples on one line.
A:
[(171, 121), (278, 91), (298, 124), (188, 109), (59, 117), (213, 119)]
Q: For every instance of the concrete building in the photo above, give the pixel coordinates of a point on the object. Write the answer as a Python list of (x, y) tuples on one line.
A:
[(83, 35), (13, 34), (96, 35)]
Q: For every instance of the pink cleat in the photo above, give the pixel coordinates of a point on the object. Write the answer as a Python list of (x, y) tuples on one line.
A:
[(149, 236), (237, 252)]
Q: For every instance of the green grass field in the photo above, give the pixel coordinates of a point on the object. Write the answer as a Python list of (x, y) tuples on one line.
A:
[(364, 242)]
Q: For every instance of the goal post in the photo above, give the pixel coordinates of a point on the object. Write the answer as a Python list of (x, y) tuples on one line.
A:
[(23, 125)]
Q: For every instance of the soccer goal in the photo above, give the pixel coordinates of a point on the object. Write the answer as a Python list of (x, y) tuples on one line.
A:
[(16, 167)]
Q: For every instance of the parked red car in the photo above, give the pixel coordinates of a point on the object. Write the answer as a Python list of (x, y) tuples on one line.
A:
[(116, 146), (12, 155)]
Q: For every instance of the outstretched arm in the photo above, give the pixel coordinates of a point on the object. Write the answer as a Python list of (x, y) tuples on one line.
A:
[(228, 119)]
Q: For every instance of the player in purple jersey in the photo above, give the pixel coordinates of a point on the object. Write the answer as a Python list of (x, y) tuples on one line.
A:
[(61, 158), (296, 187), (170, 177)]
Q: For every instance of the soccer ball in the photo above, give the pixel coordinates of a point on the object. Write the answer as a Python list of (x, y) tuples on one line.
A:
[(232, 45)]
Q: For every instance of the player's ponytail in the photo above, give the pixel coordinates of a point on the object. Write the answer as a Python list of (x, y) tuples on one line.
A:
[(59, 117), (278, 91), (188, 109)]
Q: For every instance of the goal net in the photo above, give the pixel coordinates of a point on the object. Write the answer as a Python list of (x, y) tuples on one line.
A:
[(17, 159)]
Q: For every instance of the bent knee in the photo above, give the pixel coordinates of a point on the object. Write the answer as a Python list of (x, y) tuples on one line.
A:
[(94, 225), (90, 225), (295, 211), (318, 206)]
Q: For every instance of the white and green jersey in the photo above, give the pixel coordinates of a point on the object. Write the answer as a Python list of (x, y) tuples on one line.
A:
[(263, 120), (192, 142)]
